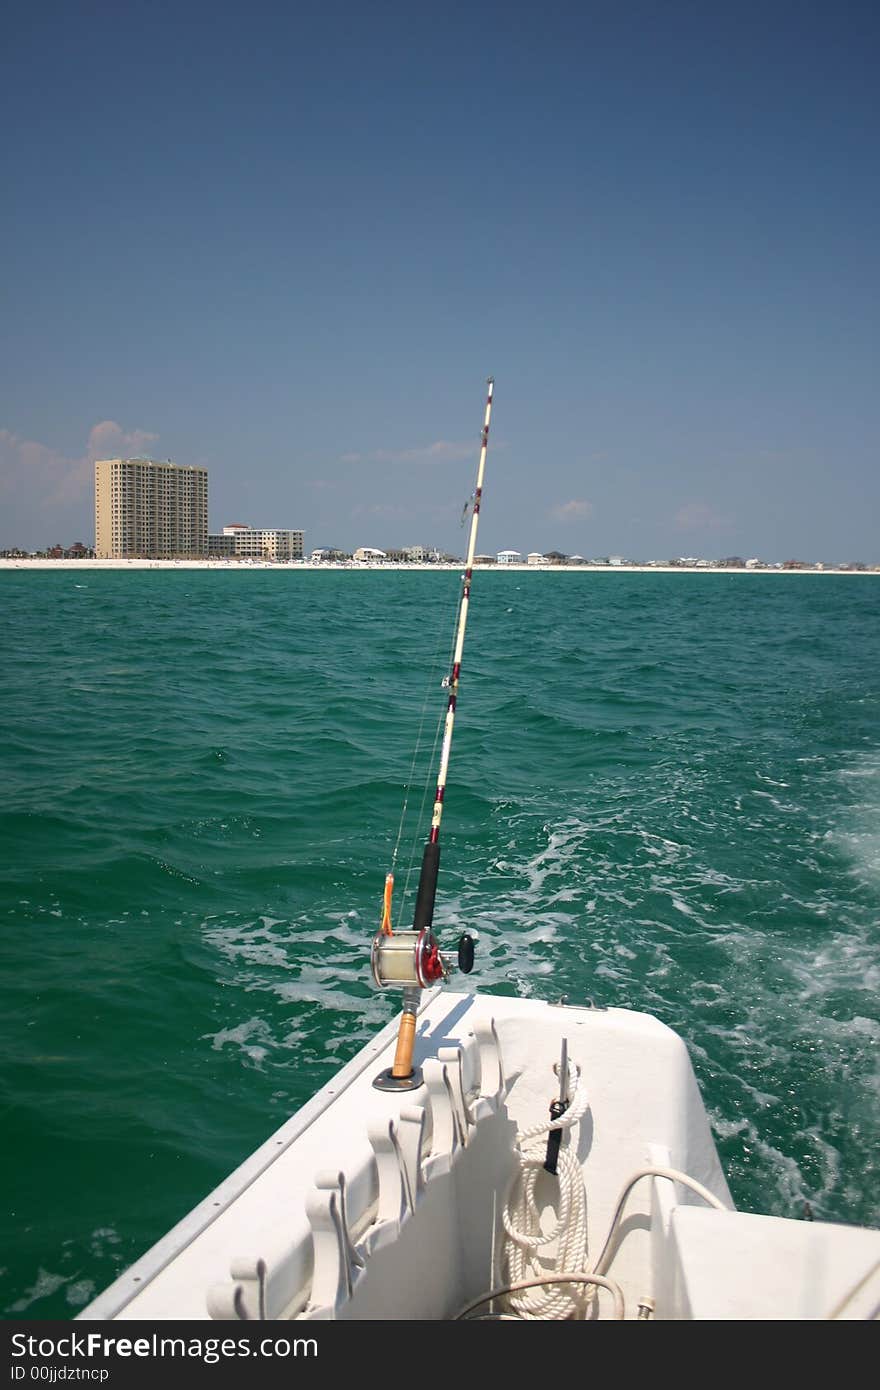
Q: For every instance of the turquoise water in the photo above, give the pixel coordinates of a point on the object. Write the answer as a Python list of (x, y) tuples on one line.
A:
[(664, 794)]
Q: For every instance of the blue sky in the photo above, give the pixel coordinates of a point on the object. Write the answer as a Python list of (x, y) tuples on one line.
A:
[(290, 242)]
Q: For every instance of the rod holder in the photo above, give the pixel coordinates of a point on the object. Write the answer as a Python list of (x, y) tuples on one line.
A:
[(402, 1075)]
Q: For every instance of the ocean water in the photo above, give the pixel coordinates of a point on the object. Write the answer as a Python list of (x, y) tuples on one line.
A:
[(664, 794)]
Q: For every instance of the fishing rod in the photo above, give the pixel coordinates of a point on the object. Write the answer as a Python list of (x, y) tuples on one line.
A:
[(413, 958)]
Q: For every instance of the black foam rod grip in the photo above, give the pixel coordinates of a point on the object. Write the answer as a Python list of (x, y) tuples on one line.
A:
[(424, 914)]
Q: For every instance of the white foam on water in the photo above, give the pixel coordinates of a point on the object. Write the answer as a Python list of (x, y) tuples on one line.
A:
[(868, 765), (726, 1128), (841, 962), (608, 972), (242, 1036), (102, 1237), (277, 944), (80, 1292), (787, 1176), (857, 834), (314, 973), (785, 807), (44, 1285), (828, 1158), (771, 781), (315, 989), (255, 951), (669, 850), (681, 906), (862, 848)]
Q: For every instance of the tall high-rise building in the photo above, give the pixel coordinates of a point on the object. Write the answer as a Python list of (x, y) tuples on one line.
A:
[(147, 509)]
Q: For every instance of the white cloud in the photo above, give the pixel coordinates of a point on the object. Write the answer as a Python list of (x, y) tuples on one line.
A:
[(58, 477), (108, 436), (48, 488), (575, 510)]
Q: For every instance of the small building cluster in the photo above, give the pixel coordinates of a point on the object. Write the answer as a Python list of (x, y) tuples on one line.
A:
[(238, 542), (77, 551), (368, 554)]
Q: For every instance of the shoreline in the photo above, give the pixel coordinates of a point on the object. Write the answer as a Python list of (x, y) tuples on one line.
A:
[(294, 565)]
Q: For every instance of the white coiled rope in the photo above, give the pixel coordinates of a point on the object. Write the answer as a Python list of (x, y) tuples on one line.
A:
[(522, 1250)]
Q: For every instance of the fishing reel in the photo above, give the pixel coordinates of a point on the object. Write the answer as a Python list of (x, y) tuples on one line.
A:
[(414, 958)]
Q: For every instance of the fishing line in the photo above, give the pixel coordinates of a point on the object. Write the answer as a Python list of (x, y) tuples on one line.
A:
[(408, 785), (416, 751), (427, 783)]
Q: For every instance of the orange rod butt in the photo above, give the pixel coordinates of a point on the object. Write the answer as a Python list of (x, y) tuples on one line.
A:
[(406, 1036)]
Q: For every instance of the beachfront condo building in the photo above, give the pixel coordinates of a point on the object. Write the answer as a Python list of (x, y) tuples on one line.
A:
[(252, 543), (150, 510)]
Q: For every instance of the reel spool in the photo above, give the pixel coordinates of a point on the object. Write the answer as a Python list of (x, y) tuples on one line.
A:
[(406, 958), (414, 958)]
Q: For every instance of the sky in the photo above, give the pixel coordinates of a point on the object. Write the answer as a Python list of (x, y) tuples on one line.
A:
[(290, 242)]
